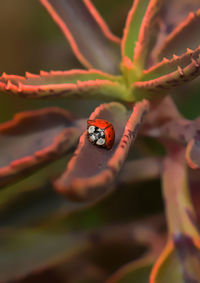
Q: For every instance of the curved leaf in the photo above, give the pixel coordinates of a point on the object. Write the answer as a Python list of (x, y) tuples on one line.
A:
[(138, 29), (88, 182), (161, 85), (186, 35), (64, 83), (173, 13), (90, 38), (176, 193), (34, 138), (167, 66), (178, 265), (180, 130)]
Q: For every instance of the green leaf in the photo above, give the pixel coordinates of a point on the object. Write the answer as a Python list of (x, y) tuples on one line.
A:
[(167, 66), (161, 85), (134, 272), (89, 182), (178, 265), (90, 38), (33, 139), (139, 29), (186, 35), (92, 83)]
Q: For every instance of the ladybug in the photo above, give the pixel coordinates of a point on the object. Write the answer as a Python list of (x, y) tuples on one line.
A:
[(101, 133)]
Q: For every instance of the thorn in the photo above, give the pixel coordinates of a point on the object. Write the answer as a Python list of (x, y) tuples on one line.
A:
[(8, 85), (165, 59), (180, 70), (175, 57), (30, 75), (43, 73), (190, 51), (4, 75), (191, 15), (19, 87), (196, 64)]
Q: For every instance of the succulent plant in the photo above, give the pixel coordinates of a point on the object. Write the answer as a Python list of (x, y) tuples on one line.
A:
[(136, 76)]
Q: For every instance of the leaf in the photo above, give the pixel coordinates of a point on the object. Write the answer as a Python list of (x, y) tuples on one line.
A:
[(35, 206), (137, 271), (92, 83), (33, 139), (161, 85), (90, 38), (88, 182), (26, 250), (176, 193), (138, 29), (140, 170), (167, 66), (186, 35), (147, 33), (180, 265), (180, 130), (193, 153), (173, 13)]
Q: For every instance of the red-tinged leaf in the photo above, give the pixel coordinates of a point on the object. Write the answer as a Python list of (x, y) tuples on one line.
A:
[(139, 28), (193, 153), (163, 84), (176, 193), (92, 170), (180, 130), (179, 262), (34, 138), (64, 83), (90, 38), (186, 35), (147, 33), (138, 270), (167, 66), (173, 13)]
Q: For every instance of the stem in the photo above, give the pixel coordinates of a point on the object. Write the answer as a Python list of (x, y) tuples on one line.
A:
[(180, 212)]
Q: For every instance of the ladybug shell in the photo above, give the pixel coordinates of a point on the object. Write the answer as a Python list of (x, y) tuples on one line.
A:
[(108, 130)]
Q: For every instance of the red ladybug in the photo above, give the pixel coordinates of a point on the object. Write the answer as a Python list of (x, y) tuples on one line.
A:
[(101, 133)]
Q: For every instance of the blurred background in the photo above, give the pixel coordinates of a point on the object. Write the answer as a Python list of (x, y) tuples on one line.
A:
[(30, 41)]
